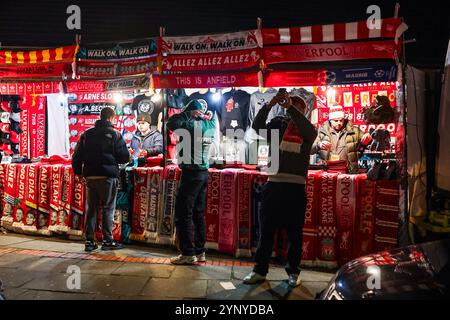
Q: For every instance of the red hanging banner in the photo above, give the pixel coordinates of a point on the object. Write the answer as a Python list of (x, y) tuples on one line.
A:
[(232, 79), (35, 70), (85, 86), (212, 62), (295, 78), (37, 127), (331, 52)]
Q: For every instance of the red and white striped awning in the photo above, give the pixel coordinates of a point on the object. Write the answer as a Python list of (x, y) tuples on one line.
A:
[(331, 32)]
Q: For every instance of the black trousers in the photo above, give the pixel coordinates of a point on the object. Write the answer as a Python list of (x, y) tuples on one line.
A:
[(283, 206), (190, 210)]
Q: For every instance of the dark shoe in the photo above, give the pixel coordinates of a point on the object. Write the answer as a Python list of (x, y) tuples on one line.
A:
[(113, 245), (90, 246)]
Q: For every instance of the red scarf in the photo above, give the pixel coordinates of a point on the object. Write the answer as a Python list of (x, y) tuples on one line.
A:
[(292, 140)]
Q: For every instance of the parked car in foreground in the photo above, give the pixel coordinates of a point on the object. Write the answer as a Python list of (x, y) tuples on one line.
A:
[(419, 271)]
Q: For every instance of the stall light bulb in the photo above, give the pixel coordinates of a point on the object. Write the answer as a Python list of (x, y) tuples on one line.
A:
[(118, 98), (216, 96), (156, 98)]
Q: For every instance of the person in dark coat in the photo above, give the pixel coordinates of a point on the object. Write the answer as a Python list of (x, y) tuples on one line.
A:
[(97, 156)]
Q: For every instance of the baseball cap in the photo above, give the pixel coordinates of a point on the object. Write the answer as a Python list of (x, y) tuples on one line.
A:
[(4, 117), (15, 116), (4, 127), (14, 137)]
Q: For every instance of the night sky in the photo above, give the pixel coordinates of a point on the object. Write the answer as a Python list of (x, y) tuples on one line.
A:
[(43, 23)]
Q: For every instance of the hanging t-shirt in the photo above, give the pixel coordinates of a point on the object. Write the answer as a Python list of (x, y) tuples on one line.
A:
[(143, 103), (257, 101), (214, 104), (57, 125), (235, 110), (309, 98), (177, 98)]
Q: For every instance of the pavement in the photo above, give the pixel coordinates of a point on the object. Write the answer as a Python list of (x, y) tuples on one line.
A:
[(39, 268)]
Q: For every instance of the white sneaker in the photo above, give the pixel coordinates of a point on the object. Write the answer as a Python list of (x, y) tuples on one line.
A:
[(184, 259), (253, 278), (201, 257)]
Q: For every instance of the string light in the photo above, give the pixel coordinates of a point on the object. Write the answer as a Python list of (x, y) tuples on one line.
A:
[(118, 98)]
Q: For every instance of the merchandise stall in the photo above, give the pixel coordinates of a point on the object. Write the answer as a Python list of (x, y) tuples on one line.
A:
[(348, 214)]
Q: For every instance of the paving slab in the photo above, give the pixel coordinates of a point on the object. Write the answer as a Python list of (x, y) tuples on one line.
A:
[(175, 288), (108, 285), (309, 275), (14, 260), (55, 282), (314, 287), (98, 267), (12, 293), (51, 245), (283, 291), (12, 278), (53, 295), (57, 265), (6, 240), (142, 269), (202, 272), (261, 291)]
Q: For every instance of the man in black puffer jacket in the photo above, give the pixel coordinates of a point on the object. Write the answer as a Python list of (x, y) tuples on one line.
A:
[(97, 156)]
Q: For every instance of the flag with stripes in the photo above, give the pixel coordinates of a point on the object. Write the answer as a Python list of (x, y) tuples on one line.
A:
[(390, 28), (37, 63)]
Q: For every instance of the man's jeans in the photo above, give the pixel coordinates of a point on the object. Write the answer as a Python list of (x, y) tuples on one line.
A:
[(190, 209), (101, 193)]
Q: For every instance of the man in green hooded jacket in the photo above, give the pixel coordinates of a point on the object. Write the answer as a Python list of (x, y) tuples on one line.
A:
[(195, 128)]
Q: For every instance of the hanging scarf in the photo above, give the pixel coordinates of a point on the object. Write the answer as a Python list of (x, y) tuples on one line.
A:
[(292, 140)]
